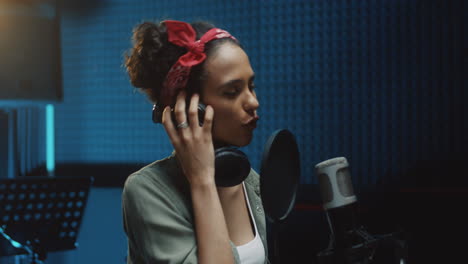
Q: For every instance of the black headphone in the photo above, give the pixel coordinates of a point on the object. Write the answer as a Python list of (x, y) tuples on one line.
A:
[(232, 166)]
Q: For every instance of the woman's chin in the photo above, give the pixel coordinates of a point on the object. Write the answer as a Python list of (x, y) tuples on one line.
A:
[(238, 142), (243, 141)]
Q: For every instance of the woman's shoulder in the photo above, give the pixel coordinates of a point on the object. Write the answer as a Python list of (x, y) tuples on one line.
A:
[(161, 173), (156, 188), (253, 180)]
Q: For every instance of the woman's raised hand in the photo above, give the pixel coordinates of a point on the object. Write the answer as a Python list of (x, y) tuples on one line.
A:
[(193, 143)]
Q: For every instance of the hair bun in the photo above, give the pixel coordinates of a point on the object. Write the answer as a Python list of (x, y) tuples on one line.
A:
[(148, 38), (144, 60)]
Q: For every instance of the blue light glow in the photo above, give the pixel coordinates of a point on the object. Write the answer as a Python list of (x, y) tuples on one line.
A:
[(50, 142)]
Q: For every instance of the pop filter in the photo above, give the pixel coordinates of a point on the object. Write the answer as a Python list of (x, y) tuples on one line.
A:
[(279, 174)]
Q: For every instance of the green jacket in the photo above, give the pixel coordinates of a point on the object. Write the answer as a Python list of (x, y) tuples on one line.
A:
[(158, 214)]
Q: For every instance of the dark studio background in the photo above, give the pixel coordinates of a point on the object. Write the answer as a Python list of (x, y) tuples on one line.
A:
[(382, 83)]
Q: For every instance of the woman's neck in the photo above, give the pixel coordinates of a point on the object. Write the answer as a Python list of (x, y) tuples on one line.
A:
[(219, 144)]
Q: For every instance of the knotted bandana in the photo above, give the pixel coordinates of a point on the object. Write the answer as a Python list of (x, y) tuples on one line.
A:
[(182, 34)]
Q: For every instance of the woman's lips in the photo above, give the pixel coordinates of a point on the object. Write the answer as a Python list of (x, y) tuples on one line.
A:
[(252, 123)]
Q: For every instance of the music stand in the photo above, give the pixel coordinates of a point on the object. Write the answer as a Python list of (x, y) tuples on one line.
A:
[(41, 214)]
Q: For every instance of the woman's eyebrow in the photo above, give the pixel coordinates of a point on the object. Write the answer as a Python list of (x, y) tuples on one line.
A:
[(231, 83), (235, 82)]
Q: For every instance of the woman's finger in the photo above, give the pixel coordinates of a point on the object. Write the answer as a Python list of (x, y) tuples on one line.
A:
[(193, 112), (208, 120), (169, 126), (179, 109), (181, 117)]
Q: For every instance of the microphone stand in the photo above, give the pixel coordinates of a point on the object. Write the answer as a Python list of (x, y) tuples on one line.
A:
[(364, 250), (276, 241)]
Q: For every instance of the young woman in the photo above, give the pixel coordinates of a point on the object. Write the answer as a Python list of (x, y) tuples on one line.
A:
[(173, 211)]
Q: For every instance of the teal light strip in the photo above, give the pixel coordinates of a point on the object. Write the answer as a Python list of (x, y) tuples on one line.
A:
[(50, 139), (11, 159)]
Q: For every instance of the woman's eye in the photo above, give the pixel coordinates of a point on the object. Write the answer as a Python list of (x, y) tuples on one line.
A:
[(231, 93)]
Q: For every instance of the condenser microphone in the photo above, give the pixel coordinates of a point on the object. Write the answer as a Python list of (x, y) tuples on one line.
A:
[(339, 200), (350, 242)]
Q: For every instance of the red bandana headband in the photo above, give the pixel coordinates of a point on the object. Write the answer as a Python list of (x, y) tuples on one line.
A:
[(182, 34)]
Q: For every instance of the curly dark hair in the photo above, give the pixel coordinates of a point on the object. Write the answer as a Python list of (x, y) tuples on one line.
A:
[(152, 56)]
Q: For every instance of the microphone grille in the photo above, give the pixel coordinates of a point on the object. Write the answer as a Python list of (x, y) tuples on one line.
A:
[(326, 189), (345, 186), (335, 183)]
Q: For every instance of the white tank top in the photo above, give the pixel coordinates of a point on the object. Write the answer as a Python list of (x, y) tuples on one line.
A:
[(253, 252)]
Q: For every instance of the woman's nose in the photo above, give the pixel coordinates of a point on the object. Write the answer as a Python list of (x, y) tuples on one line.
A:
[(251, 103)]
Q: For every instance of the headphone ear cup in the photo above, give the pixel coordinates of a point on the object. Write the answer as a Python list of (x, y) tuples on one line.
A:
[(201, 113), (157, 114), (231, 167)]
